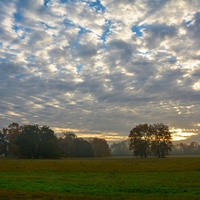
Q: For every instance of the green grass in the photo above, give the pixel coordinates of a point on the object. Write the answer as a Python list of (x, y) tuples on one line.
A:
[(122, 178)]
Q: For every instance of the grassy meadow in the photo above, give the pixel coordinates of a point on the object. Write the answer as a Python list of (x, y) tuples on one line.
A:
[(109, 178)]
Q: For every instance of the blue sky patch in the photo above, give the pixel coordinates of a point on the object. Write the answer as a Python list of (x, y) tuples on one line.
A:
[(97, 5), (46, 2), (106, 32), (83, 30), (78, 68), (188, 23), (65, 1), (68, 22), (137, 31), (46, 25), (18, 17)]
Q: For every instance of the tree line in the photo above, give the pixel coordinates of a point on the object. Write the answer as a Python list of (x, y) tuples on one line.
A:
[(34, 141), (122, 149), (186, 149), (152, 140)]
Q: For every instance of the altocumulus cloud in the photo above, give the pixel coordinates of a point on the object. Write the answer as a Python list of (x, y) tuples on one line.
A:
[(100, 67)]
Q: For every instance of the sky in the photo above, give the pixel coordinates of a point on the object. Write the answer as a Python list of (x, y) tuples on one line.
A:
[(98, 68)]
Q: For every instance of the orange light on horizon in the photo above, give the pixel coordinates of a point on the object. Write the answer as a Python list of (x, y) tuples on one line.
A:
[(181, 134)]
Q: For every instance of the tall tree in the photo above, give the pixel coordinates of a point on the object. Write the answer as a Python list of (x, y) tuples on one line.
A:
[(161, 141), (120, 149), (155, 138), (82, 148), (28, 141), (72, 146), (48, 145), (139, 138), (100, 147), (66, 144), (194, 148), (4, 142), (7, 139), (186, 149), (35, 142)]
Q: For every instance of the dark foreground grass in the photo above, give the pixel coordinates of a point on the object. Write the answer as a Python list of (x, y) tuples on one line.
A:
[(123, 178)]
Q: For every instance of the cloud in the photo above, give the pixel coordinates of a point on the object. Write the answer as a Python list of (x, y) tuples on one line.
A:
[(192, 28), (100, 67), (156, 34)]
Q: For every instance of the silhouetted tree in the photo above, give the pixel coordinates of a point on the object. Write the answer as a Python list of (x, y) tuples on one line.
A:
[(161, 140), (139, 138), (3, 142), (100, 147), (66, 144), (156, 139), (194, 148), (186, 149), (48, 145), (82, 148), (7, 139), (72, 146), (35, 142), (120, 149), (28, 141)]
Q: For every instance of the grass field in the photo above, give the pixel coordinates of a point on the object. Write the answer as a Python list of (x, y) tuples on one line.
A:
[(111, 178)]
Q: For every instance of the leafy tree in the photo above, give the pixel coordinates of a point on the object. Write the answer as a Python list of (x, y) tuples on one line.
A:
[(120, 149), (28, 141), (82, 148), (139, 138), (161, 140), (194, 148), (156, 139), (72, 146), (66, 144), (7, 139), (3, 142), (48, 145), (186, 149), (35, 142), (100, 147)]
